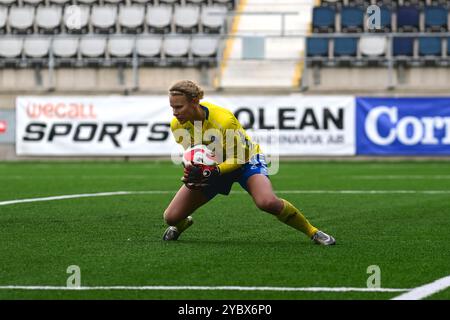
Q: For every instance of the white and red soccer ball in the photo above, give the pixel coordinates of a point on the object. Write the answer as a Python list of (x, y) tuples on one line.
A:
[(199, 155)]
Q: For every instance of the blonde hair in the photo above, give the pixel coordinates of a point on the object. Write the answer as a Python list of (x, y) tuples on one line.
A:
[(187, 88)]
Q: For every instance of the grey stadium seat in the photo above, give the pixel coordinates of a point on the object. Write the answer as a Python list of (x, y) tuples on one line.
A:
[(36, 47), (149, 47), (76, 18), (3, 15), (186, 19), (159, 18), (104, 18), (21, 19), (213, 18), (131, 18), (176, 49), (65, 47), (93, 47), (120, 47), (48, 19), (11, 47)]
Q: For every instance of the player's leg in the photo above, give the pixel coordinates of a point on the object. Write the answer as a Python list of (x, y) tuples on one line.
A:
[(260, 188), (177, 214)]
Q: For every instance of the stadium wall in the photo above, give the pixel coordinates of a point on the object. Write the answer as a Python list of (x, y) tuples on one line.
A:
[(97, 80), (378, 81)]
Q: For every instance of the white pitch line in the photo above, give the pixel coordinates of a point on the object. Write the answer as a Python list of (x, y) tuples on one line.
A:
[(402, 177), (425, 290), (205, 288), (365, 191), (86, 195), (118, 193)]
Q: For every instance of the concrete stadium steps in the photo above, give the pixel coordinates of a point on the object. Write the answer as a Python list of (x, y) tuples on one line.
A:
[(279, 67), (258, 74)]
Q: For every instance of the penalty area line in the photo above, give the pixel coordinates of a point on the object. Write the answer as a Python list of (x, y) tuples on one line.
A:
[(118, 193), (425, 290), (205, 288)]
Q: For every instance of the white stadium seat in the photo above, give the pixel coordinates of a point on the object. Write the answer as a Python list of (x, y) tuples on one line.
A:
[(21, 19), (7, 2), (60, 2), (204, 46), (176, 46), (373, 45), (120, 47), (92, 47), (65, 47), (131, 18), (76, 18), (159, 18), (115, 2), (11, 47), (3, 16), (143, 2), (149, 46), (104, 18), (36, 47), (213, 18), (48, 19), (228, 3), (33, 2), (88, 2), (169, 1), (196, 2), (186, 18)]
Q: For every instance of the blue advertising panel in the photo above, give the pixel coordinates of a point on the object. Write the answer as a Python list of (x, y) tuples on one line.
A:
[(403, 126)]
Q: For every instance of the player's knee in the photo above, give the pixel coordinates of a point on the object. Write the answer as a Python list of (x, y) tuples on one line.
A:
[(270, 204), (170, 218)]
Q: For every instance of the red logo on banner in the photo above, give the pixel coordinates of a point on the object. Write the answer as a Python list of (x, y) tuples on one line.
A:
[(2, 126)]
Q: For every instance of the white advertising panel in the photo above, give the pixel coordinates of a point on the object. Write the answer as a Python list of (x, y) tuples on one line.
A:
[(140, 126)]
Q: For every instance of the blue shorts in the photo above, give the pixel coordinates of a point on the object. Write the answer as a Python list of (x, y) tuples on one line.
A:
[(256, 165)]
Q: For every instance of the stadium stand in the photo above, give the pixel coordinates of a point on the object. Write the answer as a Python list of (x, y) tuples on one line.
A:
[(408, 44), (412, 26), (161, 32)]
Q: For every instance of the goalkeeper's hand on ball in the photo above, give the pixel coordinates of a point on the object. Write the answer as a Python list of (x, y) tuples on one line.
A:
[(198, 176)]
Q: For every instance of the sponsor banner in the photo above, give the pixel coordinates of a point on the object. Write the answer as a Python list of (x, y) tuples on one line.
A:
[(403, 126), (296, 124), (127, 126), (7, 126)]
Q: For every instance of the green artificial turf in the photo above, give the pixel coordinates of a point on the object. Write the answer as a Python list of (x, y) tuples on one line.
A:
[(116, 240)]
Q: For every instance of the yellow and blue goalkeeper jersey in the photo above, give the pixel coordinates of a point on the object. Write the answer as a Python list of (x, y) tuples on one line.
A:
[(222, 132)]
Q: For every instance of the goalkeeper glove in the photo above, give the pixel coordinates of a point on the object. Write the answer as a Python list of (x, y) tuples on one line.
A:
[(199, 176)]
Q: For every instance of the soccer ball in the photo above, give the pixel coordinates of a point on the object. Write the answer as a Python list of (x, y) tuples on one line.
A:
[(199, 155)]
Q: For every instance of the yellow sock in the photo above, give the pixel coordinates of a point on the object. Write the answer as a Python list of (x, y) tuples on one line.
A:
[(291, 216), (184, 224)]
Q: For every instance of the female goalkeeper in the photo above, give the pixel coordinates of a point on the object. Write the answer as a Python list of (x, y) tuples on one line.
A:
[(196, 120)]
